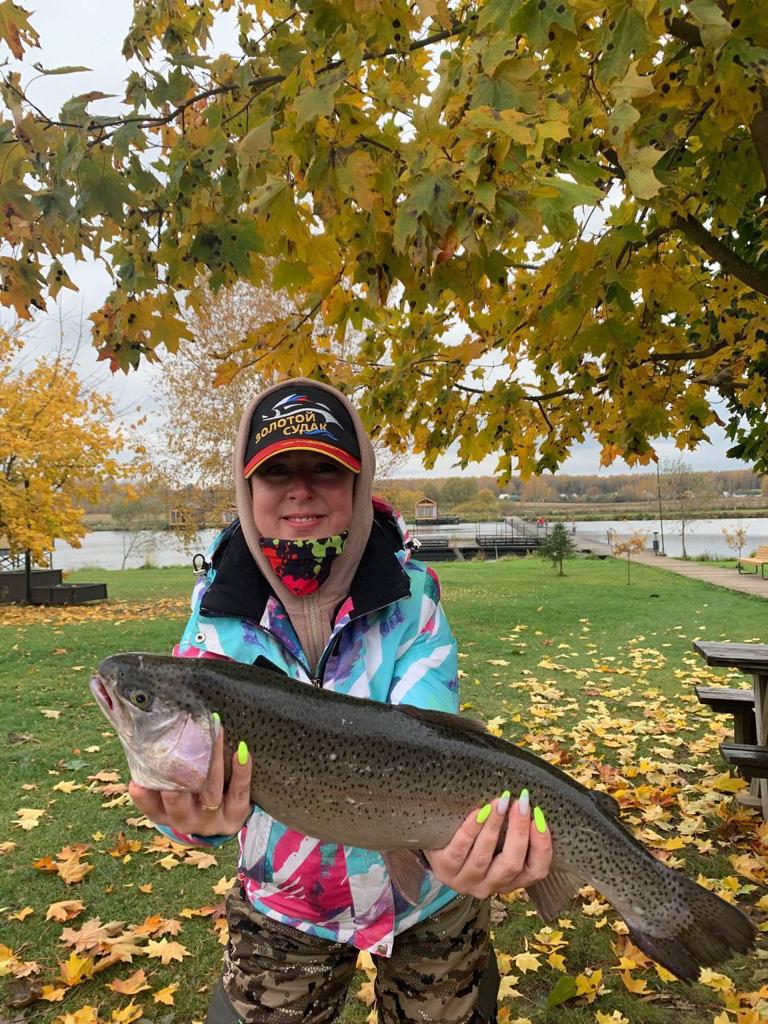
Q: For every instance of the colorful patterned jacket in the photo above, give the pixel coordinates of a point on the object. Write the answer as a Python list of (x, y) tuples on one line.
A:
[(390, 642)]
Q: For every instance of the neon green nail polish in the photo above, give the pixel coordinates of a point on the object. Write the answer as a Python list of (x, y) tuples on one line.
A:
[(482, 814), (538, 819), (242, 752), (216, 716)]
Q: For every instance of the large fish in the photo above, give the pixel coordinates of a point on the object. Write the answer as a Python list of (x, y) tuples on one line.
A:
[(397, 779)]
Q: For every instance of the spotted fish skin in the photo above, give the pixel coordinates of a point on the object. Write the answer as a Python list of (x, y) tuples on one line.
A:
[(394, 778)]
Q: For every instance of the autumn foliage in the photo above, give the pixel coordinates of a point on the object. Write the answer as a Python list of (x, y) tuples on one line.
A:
[(57, 445), (546, 218)]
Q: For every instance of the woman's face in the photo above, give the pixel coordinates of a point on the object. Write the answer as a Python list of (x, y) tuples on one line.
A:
[(298, 495)]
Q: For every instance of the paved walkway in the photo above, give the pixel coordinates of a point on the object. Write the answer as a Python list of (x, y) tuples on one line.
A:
[(715, 575)]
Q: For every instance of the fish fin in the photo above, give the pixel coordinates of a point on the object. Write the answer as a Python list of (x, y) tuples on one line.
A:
[(705, 931), (552, 894), (269, 666), (457, 723), (606, 802), (406, 873)]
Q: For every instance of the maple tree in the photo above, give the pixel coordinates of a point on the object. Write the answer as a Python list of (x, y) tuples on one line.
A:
[(57, 444), (547, 218)]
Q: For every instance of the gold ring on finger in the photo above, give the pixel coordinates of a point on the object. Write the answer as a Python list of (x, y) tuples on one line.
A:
[(208, 807)]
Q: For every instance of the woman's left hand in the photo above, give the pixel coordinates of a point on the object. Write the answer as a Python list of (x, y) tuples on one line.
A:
[(469, 863)]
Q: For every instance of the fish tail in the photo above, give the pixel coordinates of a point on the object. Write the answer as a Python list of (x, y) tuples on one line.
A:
[(696, 928)]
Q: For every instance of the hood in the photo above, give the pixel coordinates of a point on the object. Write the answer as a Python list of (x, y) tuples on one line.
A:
[(311, 616)]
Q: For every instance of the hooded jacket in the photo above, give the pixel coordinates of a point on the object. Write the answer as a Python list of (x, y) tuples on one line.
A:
[(376, 629)]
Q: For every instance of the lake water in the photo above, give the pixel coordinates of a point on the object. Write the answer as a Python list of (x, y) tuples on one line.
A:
[(104, 549)]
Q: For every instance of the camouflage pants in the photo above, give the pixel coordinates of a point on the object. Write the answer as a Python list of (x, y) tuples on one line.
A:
[(442, 971)]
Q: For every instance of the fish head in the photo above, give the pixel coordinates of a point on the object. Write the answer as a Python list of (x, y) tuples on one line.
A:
[(166, 731)]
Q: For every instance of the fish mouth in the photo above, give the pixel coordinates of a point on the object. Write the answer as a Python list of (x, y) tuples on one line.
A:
[(101, 692)]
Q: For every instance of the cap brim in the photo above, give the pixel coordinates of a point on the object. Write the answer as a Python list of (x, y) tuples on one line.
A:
[(337, 454)]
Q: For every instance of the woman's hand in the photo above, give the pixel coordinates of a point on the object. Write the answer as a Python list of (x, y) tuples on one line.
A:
[(210, 812), (469, 863)]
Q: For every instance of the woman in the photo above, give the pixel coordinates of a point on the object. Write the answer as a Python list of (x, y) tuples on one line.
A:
[(316, 579)]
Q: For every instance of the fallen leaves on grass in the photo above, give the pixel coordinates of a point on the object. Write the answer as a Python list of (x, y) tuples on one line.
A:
[(599, 715)]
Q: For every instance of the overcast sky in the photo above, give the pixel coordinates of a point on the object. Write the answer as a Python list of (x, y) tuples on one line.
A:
[(90, 33)]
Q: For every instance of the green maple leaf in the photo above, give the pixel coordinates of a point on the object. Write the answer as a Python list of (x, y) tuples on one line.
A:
[(317, 102)]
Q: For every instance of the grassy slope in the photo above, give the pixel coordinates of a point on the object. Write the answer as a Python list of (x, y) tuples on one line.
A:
[(45, 663)]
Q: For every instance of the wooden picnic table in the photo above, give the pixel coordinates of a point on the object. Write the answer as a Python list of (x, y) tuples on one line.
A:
[(751, 659)]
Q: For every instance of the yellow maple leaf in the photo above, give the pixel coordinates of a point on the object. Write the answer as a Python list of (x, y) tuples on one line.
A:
[(507, 988), (85, 1015), (495, 724), (76, 969), (19, 915), (65, 910), (52, 994), (365, 994), (28, 818), (614, 1018), (169, 863), (68, 786), (166, 951), (128, 1014), (556, 960), (165, 995), (588, 985), (637, 985), (222, 887), (129, 986), (201, 859), (527, 962), (713, 980)]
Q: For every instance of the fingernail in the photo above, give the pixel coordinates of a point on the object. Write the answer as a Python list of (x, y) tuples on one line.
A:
[(538, 820), (502, 804), (483, 813), (242, 752), (523, 803), (216, 716)]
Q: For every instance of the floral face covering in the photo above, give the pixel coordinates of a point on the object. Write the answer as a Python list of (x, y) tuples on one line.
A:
[(303, 565)]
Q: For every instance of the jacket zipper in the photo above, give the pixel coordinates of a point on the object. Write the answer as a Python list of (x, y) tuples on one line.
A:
[(315, 678)]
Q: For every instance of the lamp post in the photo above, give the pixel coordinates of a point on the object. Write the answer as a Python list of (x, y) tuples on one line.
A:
[(661, 511)]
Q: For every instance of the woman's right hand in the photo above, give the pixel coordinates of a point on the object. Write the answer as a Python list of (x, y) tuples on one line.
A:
[(211, 812)]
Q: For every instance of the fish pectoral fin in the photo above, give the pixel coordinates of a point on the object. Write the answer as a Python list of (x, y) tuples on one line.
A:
[(406, 873), (552, 894)]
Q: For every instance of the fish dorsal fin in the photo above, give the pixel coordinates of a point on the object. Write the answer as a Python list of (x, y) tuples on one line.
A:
[(552, 894), (406, 873), (456, 722), (606, 803)]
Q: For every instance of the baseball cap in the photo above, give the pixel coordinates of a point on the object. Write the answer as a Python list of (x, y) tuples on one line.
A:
[(302, 418)]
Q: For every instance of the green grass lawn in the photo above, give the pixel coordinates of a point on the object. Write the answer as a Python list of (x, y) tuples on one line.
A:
[(585, 670)]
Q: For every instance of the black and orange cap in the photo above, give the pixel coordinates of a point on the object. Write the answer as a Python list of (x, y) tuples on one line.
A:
[(301, 419)]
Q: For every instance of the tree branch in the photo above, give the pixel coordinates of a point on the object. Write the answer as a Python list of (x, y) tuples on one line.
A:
[(259, 84), (730, 261)]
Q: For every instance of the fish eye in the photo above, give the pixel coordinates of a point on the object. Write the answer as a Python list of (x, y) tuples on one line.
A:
[(140, 699)]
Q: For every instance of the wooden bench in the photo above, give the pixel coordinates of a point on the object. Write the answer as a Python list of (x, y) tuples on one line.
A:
[(760, 558), (749, 758), (438, 543), (725, 700)]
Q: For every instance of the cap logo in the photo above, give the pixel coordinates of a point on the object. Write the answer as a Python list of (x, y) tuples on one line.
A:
[(293, 415)]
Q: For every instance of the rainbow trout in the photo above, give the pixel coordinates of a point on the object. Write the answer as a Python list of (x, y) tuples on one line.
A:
[(397, 779)]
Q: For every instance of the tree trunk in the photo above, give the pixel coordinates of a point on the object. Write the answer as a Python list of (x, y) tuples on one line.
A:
[(682, 537), (27, 576)]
